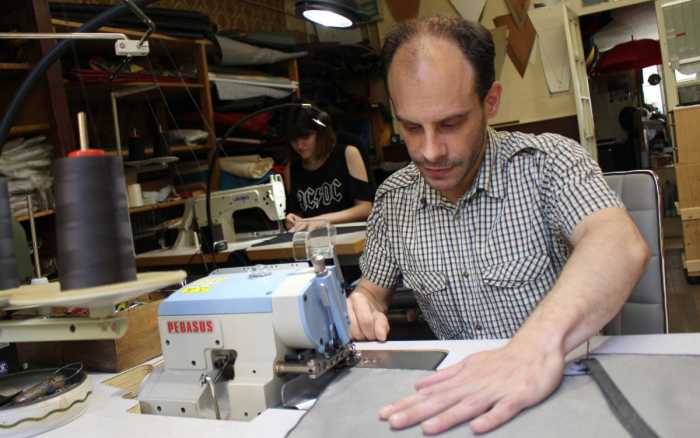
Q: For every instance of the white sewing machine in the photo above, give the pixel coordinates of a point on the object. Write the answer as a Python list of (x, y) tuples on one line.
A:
[(269, 197), (232, 341)]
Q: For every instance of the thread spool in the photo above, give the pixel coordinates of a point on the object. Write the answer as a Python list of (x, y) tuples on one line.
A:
[(161, 147), (9, 277), (94, 240), (137, 146), (135, 195)]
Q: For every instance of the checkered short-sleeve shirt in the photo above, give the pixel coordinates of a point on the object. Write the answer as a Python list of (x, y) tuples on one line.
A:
[(479, 267)]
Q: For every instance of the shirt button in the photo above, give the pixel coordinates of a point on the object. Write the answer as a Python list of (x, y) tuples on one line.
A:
[(465, 274), (477, 327)]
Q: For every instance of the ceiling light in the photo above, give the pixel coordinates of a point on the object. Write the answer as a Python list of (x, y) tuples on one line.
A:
[(329, 13)]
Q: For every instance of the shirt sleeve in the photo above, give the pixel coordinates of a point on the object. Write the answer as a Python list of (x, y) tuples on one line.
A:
[(377, 262), (575, 187)]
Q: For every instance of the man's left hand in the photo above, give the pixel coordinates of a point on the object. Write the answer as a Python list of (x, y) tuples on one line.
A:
[(487, 389)]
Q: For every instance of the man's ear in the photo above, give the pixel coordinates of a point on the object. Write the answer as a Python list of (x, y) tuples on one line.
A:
[(492, 100)]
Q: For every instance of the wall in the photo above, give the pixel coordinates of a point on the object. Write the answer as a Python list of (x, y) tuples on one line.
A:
[(525, 99)]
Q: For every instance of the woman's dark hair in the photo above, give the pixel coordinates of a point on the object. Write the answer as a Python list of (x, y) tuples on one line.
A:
[(472, 38), (303, 121)]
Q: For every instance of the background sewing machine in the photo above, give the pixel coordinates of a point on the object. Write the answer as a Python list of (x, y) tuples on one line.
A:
[(245, 339), (269, 198)]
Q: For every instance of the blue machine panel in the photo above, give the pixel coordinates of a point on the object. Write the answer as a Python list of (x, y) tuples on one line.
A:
[(231, 293), (324, 309)]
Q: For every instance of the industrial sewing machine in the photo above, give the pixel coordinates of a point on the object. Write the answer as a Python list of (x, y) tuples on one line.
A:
[(269, 197), (234, 341)]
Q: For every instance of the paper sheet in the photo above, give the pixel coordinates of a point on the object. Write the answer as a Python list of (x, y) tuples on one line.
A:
[(520, 41), (469, 9), (500, 41), (549, 24)]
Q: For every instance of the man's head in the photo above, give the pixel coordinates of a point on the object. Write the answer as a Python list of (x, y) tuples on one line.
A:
[(440, 76)]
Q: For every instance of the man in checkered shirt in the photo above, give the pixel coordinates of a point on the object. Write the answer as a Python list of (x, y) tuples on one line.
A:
[(500, 235)]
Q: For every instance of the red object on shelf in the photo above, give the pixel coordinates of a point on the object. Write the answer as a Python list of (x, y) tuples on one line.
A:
[(258, 124), (279, 168), (87, 153)]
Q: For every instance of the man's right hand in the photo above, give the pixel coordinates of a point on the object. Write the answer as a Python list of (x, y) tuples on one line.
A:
[(368, 322)]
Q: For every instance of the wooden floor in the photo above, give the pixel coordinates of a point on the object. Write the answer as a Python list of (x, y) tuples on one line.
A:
[(683, 298)]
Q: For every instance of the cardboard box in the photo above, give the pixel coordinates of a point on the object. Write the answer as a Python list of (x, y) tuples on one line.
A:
[(686, 124)]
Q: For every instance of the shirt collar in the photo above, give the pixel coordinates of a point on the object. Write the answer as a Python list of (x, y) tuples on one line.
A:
[(488, 178)]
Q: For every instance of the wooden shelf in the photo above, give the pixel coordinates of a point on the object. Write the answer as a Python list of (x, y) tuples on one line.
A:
[(161, 84), (165, 86), (28, 129), (131, 33), (174, 149), (37, 215), (184, 149), (15, 66), (189, 148), (150, 207), (157, 206)]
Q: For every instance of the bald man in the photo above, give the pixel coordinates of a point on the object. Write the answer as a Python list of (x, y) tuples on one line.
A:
[(500, 235)]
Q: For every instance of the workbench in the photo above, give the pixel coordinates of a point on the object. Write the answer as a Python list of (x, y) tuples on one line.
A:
[(106, 415), (349, 247)]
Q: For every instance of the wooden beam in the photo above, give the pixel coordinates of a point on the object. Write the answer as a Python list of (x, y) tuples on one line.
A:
[(62, 125)]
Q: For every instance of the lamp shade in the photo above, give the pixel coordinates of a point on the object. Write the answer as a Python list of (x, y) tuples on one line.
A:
[(329, 13)]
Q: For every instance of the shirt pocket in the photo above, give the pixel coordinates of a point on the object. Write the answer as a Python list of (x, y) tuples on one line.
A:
[(433, 295), (516, 272)]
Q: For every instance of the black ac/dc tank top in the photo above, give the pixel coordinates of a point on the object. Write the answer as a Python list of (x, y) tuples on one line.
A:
[(328, 189)]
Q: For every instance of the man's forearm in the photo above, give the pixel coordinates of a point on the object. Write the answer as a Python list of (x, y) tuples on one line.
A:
[(379, 296), (597, 279)]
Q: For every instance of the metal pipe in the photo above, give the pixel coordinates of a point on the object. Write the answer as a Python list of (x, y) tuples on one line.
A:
[(210, 384), (61, 36), (82, 131), (293, 368), (35, 245)]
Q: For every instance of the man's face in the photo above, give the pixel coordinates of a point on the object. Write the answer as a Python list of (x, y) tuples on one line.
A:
[(433, 90)]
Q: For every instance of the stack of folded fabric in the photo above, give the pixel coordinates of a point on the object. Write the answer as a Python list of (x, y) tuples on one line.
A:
[(244, 170), (27, 165)]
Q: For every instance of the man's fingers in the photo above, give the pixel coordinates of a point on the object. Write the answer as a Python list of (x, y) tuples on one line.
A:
[(440, 376), (381, 326), (355, 332), (425, 407), (459, 413), (502, 411), (389, 410), (365, 317)]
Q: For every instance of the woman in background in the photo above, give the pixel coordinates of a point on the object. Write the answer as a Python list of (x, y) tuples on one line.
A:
[(325, 181)]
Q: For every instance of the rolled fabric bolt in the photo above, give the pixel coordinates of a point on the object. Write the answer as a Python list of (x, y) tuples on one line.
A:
[(135, 195)]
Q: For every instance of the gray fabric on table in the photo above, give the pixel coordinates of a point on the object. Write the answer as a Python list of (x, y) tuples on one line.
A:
[(664, 389)]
